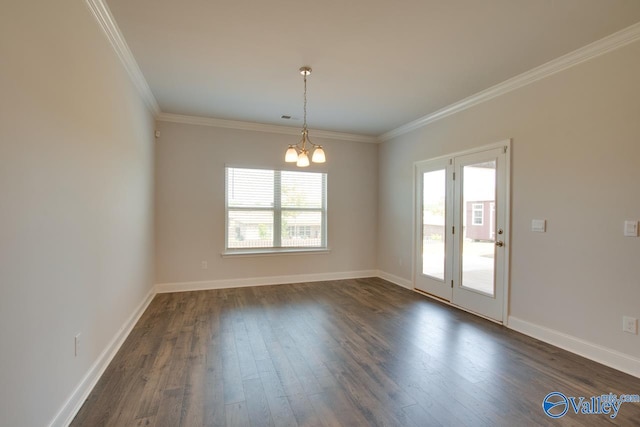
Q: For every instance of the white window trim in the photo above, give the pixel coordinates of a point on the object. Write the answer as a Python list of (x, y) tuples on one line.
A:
[(277, 212), (252, 252)]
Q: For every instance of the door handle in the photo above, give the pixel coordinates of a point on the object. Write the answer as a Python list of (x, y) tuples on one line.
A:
[(499, 243)]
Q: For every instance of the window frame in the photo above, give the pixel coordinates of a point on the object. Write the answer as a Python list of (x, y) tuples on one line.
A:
[(474, 209), (277, 210)]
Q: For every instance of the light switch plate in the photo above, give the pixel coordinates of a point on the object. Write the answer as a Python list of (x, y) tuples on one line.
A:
[(630, 325), (539, 225), (631, 228)]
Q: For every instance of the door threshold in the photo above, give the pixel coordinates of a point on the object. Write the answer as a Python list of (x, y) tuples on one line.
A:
[(450, 304)]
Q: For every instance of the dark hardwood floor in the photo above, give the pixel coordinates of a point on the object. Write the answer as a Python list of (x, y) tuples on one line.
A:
[(341, 353)]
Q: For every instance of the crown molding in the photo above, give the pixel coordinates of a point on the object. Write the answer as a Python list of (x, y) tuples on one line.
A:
[(607, 44), (261, 127), (578, 56), (107, 23)]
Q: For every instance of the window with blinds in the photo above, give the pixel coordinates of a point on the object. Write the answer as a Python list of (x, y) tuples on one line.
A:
[(273, 209)]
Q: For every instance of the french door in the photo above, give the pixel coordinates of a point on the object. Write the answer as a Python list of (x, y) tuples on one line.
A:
[(462, 220)]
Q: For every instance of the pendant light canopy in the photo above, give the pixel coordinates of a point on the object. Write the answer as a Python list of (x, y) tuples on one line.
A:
[(299, 153)]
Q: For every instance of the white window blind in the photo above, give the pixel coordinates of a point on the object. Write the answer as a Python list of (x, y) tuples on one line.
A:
[(272, 209)]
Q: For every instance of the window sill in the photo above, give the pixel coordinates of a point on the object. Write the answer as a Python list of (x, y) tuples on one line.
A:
[(272, 252)]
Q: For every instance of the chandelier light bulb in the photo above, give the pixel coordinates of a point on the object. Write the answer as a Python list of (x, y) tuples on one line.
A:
[(303, 160), (292, 155), (318, 155)]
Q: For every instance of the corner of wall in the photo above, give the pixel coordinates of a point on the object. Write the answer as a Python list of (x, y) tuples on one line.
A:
[(396, 280), (72, 405)]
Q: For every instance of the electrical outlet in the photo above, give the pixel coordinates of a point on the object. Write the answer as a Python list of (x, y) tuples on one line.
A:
[(76, 345), (205, 265), (630, 325), (631, 228)]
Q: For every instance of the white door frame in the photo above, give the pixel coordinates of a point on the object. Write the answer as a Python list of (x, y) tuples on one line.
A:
[(417, 232)]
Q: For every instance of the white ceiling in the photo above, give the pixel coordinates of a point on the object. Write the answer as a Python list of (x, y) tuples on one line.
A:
[(376, 64)]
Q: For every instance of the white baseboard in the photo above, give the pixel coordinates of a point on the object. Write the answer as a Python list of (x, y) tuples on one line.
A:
[(614, 359), (260, 281), (611, 358), (395, 279), (75, 401)]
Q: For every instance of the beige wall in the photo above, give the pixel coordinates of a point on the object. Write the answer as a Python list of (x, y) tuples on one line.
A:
[(190, 216), (575, 162), (76, 208)]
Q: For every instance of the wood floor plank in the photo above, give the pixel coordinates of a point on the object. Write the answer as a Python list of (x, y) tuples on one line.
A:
[(231, 373), (355, 352), (193, 405), (170, 408), (303, 411), (214, 408), (337, 409), (257, 405), (279, 405), (374, 411), (237, 414)]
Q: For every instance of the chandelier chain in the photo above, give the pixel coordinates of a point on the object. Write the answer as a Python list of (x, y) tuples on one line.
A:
[(305, 102)]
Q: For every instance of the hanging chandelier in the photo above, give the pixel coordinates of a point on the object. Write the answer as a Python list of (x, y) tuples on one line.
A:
[(299, 153)]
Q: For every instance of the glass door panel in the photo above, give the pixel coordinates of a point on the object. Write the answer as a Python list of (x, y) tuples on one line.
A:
[(433, 222), (478, 227)]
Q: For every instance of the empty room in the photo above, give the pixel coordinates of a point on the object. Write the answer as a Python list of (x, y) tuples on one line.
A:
[(360, 213)]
